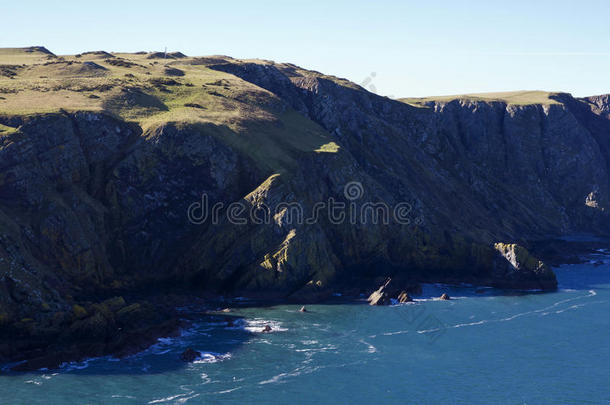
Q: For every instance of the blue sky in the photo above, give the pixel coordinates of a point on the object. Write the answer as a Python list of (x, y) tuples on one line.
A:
[(415, 48)]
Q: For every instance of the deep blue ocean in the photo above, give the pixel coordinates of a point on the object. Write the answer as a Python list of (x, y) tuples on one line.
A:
[(483, 347)]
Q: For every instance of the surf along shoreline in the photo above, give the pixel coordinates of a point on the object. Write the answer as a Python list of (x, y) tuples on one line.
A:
[(168, 315)]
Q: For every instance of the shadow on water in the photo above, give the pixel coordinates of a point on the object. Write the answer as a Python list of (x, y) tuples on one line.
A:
[(586, 276)]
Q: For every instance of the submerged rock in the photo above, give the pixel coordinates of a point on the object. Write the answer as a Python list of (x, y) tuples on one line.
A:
[(190, 355)]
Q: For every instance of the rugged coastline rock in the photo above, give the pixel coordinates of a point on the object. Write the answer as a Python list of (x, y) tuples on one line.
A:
[(111, 327), (515, 267), (109, 192), (391, 291)]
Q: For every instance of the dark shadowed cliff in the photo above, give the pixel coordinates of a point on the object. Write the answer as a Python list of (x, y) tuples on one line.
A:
[(104, 157)]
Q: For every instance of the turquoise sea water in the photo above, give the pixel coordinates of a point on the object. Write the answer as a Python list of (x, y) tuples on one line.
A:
[(480, 348)]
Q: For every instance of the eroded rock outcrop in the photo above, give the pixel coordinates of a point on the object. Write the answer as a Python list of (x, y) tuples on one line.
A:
[(380, 296), (515, 267)]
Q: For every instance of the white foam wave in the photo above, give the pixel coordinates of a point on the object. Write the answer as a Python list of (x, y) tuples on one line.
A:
[(370, 347), (35, 382), (176, 398), (278, 379), (576, 306), (211, 357), (76, 365), (295, 373), (229, 390), (542, 312), (319, 349), (400, 332), (257, 325)]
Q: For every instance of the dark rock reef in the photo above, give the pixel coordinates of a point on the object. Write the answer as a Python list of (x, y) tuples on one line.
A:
[(94, 205)]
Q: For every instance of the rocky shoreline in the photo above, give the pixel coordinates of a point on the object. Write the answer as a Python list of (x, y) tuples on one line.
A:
[(110, 327), (118, 328)]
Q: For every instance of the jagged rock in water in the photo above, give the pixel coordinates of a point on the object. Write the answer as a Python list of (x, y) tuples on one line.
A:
[(404, 297), (190, 355), (380, 296), (515, 267)]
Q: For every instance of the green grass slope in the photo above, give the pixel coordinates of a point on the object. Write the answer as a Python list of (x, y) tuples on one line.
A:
[(150, 90), (511, 97)]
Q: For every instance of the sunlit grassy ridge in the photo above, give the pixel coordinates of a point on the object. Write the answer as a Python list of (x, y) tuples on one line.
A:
[(18, 56), (151, 90), (511, 97)]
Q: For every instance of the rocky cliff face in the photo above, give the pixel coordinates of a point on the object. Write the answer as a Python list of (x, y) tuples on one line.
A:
[(111, 200)]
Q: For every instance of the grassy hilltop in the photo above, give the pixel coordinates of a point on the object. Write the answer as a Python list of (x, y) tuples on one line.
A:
[(509, 97), (152, 89)]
